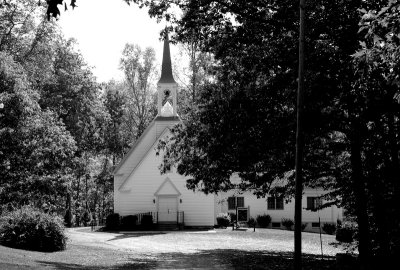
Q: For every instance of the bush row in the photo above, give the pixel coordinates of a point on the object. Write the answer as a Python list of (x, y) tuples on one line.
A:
[(263, 221), (115, 222)]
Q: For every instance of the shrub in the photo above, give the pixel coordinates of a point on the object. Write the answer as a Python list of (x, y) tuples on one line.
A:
[(251, 222), (303, 226), (29, 228), (86, 218), (287, 223), (113, 221), (147, 221), (339, 222), (128, 222), (223, 219), (329, 228), (263, 220), (346, 232), (232, 216)]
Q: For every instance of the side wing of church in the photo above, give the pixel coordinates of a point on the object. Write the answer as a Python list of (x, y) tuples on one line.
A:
[(139, 187)]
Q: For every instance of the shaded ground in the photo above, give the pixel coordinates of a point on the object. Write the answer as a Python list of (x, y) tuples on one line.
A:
[(223, 249)]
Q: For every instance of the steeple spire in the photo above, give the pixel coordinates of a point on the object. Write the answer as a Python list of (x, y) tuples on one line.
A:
[(166, 68), (167, 88)]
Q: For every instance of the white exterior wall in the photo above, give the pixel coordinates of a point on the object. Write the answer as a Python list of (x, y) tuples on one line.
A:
[(138, 193), (132, 159), (260, 207)]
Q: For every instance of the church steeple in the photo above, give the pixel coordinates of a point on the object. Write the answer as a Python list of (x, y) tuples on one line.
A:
[(166, 68), (167, 87)]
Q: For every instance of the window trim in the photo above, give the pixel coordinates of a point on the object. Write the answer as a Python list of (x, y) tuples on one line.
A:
[(273, 203), (235, 202), (315, 201), (243, 209)]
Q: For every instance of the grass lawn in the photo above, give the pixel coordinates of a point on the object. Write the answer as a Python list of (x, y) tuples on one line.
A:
[(219, 249)]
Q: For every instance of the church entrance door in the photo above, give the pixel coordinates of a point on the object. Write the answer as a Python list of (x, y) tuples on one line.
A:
[(167, 209)]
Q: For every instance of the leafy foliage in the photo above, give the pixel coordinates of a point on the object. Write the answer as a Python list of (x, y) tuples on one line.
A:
[(36, 135), (113, 221), (223, 219), (263, 220), (346, 232), (351, 108), (287, 223), (53, 119), (147, 222), (251, 222), (29, 228), (52, 7), (329, 228), (139, 70), (128, 222)]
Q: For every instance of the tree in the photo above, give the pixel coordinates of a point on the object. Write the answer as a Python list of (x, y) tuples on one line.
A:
[(52, 7), (74, 95), (254, 43), (36, 148), (379, 73), (138, 67), (117, 136), (191, 78), (299, 144)]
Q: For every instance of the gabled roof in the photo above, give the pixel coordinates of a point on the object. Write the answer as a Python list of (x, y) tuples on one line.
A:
[(127, 155), (148, 150)]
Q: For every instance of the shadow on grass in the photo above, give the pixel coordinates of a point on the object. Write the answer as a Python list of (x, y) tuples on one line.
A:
[(133, 235), (211, 259)]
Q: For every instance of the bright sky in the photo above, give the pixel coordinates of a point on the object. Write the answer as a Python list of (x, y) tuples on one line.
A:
[(103, 27)]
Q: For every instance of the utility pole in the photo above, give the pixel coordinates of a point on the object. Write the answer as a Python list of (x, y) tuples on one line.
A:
[(299, 147)]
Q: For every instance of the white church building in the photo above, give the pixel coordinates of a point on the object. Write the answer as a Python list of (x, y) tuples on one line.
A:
[(140, 188)]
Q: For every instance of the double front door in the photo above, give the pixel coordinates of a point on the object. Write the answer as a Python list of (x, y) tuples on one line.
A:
[(167, 209)]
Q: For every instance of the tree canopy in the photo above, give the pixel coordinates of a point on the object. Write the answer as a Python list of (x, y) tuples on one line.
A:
[(242, 121), (245, 120)]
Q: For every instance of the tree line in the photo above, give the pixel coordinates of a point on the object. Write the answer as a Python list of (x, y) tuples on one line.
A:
[(62, 132)]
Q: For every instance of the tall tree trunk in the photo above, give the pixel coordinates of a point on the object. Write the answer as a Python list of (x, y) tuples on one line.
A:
[(77, 202), (380, 215), (194, 71), (360, 196), (299, 147)]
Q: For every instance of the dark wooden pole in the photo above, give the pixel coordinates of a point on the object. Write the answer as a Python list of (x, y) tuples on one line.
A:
[(299, 147)]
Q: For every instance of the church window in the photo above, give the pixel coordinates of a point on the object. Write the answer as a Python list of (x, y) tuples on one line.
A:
[(275, 203), (313, 203), (234, 202)]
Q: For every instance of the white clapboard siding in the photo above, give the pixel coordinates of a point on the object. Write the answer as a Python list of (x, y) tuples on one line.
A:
[(134, 156), (259, 206), (138, 193)]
